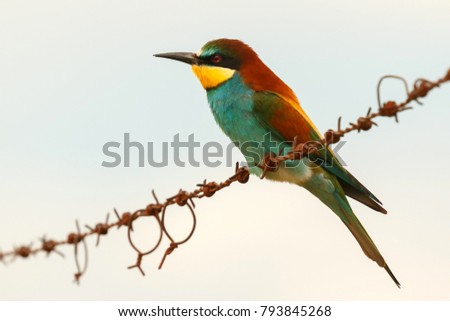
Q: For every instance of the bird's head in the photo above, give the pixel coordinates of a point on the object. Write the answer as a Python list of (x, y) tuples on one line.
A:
[(217, 60)]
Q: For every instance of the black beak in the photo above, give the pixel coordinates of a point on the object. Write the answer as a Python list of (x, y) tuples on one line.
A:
[(187, 57)]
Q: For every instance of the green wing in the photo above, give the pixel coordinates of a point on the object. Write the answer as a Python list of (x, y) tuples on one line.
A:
[(288, 121)]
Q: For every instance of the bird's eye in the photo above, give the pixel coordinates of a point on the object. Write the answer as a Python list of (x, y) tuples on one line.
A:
[(216, 59)]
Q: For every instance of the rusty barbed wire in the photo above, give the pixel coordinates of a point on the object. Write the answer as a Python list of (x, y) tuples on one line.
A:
[(158, 210), (421, 87), (155, 210)]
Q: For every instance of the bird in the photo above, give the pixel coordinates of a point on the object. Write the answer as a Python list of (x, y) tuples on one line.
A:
[(262, 115)]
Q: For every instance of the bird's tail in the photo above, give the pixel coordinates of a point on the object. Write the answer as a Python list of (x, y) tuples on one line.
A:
[(337, 201), (367, 245)]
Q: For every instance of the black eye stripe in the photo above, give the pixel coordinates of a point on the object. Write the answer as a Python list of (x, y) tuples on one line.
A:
[(224, 61)]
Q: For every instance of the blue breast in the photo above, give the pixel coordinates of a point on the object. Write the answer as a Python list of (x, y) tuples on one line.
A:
[(231, 104)]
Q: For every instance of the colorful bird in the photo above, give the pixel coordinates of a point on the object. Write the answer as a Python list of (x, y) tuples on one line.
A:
[(262, 115)]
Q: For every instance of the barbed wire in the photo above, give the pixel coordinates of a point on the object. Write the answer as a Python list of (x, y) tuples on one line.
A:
[(155, 210), (421, 87), (158, 210)]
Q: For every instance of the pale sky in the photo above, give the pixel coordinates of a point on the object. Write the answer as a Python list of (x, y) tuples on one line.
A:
[(77, 74)]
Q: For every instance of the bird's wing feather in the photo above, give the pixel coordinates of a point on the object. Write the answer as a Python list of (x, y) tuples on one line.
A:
[(287, 119)]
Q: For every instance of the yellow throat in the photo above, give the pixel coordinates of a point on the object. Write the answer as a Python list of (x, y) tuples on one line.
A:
[(212, 76)]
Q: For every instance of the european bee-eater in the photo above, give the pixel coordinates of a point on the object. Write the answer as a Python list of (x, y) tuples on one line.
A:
[(250, 102)]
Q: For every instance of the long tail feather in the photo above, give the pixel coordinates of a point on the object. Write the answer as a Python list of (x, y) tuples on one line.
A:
[(367, 245), (334, 197)]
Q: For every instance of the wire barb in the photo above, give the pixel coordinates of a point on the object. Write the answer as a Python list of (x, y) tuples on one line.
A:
[(49, 246), (77, 239), (100, 229)]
